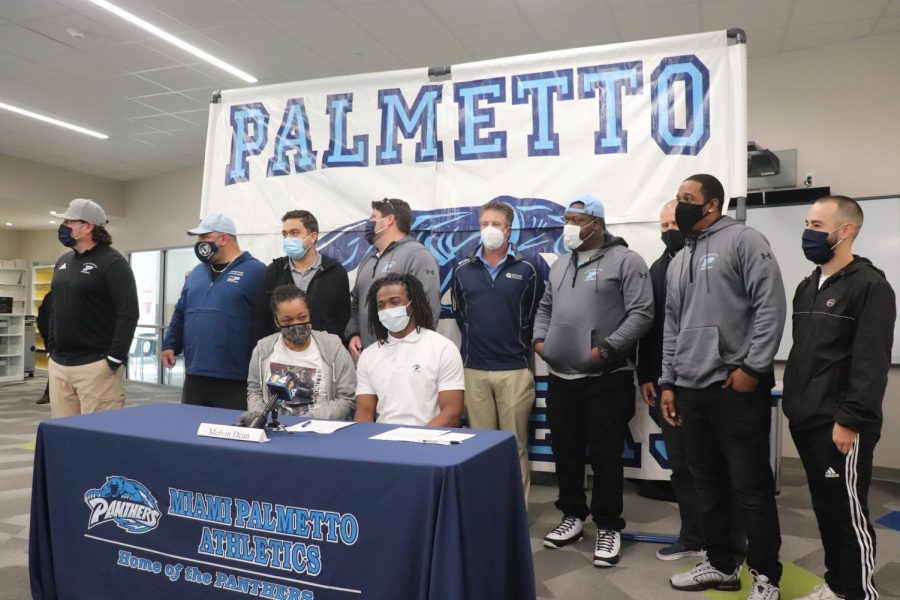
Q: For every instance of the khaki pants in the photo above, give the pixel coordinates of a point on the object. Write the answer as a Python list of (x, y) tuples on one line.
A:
[(89, 388), (503, 400)]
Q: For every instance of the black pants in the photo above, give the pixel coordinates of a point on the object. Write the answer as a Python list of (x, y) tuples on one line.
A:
[(215, 392), (691, 533), (592, 413), (839, 486), (726, 436)]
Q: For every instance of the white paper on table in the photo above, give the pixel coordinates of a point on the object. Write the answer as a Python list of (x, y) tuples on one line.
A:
[(408, 434), (453, 436), (319, 426)]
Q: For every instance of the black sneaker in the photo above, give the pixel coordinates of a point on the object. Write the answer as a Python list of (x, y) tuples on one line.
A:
[(569, 531), (677, 551)]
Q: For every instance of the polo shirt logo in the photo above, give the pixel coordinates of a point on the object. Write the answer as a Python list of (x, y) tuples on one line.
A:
[(514, 276), (592, 275), (830, 302), (387, 266), (417, 368), (87, 268)]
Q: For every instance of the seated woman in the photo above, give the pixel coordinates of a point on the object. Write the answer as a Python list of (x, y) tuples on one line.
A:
[(412, 375), (310, 371)]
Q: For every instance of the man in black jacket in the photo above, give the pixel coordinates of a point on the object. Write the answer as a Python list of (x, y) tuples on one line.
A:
[(93, 316), (834, 384), (322, 278)]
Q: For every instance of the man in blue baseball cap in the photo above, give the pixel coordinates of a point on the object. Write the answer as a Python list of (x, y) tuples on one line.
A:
[(597, 305), (214, 317)]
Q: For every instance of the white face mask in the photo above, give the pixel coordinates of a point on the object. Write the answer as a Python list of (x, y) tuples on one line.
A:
[(572, 235), (491, 237), (394, 319)]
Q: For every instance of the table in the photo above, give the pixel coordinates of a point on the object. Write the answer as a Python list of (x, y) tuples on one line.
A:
[(133, 504)]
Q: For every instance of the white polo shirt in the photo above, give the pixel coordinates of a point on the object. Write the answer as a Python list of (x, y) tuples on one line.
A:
[(407, 374)]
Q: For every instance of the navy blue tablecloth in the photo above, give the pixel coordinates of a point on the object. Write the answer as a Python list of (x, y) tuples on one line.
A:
[(133, 504)]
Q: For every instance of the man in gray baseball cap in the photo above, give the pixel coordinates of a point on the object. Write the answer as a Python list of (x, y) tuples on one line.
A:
[(93, 317)]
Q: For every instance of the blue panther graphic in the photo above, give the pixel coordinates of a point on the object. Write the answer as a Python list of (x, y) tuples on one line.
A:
[(124, 501), (453, 233)]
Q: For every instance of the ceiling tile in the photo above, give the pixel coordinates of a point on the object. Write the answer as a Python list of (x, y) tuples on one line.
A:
[(494, 41), (95, 33), (644, 4), (81, 66), (25, 10), (471, 13), (204, 14), (394, 17), (589, 30), (131, 86), (540, 9), (163, 123), (809, 36), (661, 21), (144, 10), (25, 43), (815, 12), (197, 117), (887, 25), (134, 57), (168, 103), (276, 9), (764, 42), (177, 78), (428, 48), (758, 14)]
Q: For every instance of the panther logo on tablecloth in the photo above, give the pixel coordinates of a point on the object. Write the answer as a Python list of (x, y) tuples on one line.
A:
[(126, 502)]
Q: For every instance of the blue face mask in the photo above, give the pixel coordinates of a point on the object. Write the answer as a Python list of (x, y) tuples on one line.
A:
[(816, 247), (64, 234), (295, 247), (370, 232)]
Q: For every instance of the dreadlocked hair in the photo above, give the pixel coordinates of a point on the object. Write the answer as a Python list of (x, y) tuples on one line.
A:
[(420, 309)]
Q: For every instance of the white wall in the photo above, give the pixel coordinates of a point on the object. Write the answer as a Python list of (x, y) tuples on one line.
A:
[(838, 106)]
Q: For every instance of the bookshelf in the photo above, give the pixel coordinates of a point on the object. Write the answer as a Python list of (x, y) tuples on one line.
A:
[(41, 275), (13, 285)]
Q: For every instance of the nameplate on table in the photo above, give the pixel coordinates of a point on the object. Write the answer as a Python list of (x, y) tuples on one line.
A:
[(230, 432)]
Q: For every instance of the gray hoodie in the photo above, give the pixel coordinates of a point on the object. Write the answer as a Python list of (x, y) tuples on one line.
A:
[(725, 307), (337, 371), (606, 302), (406, 255)]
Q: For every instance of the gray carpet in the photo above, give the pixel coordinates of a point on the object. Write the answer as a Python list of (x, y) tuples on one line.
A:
[(560, 574)]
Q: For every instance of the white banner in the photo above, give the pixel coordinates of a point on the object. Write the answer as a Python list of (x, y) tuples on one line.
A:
[(625, 122)]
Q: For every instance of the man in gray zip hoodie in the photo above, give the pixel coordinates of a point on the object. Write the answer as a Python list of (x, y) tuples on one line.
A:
[(725, 311), (320, 352), (393, 251), (597, 305)]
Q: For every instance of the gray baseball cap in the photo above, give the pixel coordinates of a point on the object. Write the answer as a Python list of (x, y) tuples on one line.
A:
[(82, 209), (214, 222)]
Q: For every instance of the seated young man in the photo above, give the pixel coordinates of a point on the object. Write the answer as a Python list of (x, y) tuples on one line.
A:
[(310, 370), (412, 375)]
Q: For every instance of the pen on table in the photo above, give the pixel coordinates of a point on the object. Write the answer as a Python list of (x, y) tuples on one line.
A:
[(305, 424), (440, 442)]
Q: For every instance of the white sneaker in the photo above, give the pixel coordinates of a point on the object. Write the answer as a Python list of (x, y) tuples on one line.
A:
[(569, 531), (704, 576), (762, 589), (608, 548), (820, 592)]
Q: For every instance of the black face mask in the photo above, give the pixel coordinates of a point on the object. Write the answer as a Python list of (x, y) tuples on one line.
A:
[(205, 251), (816, 247), (673, 239), (64, 234), (687, 215)]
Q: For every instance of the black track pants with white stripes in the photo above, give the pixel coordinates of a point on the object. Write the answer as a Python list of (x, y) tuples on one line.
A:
[(839, 486)]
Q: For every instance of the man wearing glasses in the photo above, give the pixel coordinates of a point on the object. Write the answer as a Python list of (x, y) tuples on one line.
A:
[(393, 251)]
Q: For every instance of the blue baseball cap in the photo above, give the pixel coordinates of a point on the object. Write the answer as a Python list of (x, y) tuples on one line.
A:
[(214, 222), (592, 206)]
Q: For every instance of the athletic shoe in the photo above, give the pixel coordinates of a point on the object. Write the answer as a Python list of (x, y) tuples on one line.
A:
[(569, 531), (677, 551), (762, 589), (608, 548), (820, 592), (704, 576)]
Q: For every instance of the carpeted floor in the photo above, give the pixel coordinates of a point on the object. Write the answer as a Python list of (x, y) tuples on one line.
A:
[(565, 574)]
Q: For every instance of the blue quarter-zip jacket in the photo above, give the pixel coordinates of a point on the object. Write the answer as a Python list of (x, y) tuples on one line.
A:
[(213, 320)]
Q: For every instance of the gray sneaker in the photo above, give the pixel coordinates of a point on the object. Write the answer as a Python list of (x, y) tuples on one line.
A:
[(704, 576), (762, 589)]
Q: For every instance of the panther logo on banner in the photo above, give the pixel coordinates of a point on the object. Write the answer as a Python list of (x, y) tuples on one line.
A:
[(126, 502)]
